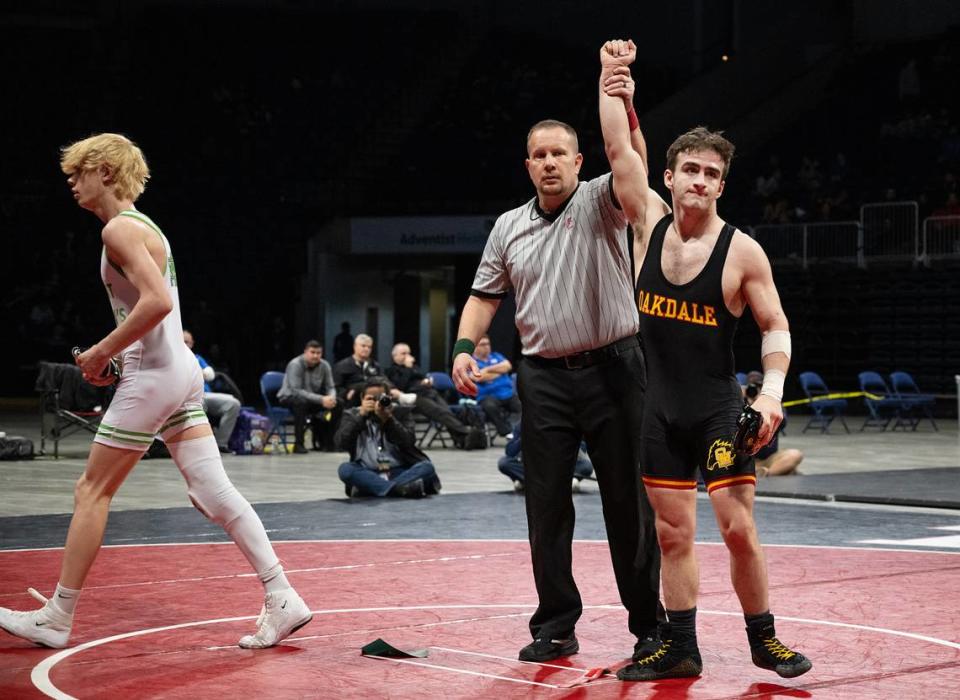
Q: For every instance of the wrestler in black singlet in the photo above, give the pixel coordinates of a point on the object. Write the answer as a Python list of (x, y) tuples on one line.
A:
[(693, 397)]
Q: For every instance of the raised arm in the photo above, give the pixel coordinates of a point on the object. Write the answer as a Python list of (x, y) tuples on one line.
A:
[(617, 82), (629, 172)]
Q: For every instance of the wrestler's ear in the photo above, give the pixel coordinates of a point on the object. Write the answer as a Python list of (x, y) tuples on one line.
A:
[(105, 173), (668, 179)]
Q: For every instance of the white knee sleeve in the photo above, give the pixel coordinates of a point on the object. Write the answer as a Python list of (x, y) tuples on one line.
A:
[(208, 485)]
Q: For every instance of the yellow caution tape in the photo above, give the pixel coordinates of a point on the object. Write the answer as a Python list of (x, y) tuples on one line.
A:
[(827, 397)]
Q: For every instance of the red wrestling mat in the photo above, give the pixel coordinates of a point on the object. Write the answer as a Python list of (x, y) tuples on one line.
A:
[(163, 621)]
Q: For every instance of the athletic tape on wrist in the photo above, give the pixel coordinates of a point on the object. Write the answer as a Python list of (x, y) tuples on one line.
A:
[(775, 341), (773, 384), (632, 119)]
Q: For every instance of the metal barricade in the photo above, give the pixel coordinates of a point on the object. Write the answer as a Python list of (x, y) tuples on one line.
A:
[(781, 242), (941, 238), (891, 231), (835, 241)]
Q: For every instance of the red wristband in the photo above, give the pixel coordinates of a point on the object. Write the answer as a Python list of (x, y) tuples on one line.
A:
[(632, 120)]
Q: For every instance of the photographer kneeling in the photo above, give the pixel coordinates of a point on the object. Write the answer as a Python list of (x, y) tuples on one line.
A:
[(384, 458), (770, 460)]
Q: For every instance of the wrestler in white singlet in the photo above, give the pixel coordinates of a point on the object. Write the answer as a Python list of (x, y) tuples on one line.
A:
[(161, 387)]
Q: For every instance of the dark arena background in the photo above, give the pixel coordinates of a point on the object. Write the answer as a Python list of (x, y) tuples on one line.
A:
[(321, 163)]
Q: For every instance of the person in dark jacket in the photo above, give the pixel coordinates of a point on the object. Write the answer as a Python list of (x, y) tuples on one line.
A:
[(384, 458), (409, 378)]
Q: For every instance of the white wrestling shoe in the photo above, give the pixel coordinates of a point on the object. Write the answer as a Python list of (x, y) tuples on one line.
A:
[(283, 613), (48, 626)]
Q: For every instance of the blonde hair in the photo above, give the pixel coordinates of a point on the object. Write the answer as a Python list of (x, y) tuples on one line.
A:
[(124, 158)]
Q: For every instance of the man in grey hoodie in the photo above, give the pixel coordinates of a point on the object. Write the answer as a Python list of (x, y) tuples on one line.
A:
[(308, 391)]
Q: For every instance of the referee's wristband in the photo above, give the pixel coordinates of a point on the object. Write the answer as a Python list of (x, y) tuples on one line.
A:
[(463, 345)]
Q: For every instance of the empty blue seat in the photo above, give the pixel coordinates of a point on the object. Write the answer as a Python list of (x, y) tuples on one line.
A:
[(279, 416), (914, 403), (879, 411), (824, 411)]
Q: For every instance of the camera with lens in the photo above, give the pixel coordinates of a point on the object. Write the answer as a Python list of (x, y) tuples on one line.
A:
[(753, 390), (385, 401)]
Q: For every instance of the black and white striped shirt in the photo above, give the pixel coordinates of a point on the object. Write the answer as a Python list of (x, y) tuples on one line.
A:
[(570, 270)]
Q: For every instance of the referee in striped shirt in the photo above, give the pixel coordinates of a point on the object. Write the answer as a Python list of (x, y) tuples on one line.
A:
[(566, 254)]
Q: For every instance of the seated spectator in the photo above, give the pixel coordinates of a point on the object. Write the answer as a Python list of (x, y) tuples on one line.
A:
[(511, 464), (309, 392), (384, 458), (350, 374), (409, 378), (495, 392), (770, 459), (220, 407)]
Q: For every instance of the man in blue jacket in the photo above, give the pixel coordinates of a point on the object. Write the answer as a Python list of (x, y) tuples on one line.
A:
[(495, 391), (225, 407)]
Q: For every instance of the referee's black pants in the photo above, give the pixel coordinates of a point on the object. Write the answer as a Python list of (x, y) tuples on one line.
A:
[(604, 405)]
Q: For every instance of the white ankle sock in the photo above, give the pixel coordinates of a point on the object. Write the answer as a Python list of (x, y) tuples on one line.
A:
[(274, 579), (66, 599)]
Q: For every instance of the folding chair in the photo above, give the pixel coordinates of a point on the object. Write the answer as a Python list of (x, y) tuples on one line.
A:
[(879, 411), (907, 391), (270, 383), (67, 403), (428, 431), (444, 385), (824, 410)]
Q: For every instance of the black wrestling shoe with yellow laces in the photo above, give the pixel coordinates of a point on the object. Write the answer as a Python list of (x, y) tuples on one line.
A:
[(770, 653), (668, 661)]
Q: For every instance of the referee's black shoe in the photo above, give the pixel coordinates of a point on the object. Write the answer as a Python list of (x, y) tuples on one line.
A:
[(548, 649), (668, 661), (770, 653)]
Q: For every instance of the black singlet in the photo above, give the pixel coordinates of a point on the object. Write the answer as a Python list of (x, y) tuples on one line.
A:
[(693, 398)]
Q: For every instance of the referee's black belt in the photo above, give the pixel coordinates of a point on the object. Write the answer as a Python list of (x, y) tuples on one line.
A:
[(589, 358)]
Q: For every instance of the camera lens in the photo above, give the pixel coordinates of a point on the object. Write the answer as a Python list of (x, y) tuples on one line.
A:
[(384, 401)]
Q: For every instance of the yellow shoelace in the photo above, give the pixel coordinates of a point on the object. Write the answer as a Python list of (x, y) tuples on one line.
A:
[(657, 655), (775, 647)]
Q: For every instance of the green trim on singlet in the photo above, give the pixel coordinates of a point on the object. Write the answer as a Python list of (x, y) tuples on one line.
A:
[(143, 218), (112, 433), (182, 417)]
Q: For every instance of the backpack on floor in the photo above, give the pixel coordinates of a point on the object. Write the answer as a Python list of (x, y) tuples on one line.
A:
[(475, 439), (14, 447), (250, 433)]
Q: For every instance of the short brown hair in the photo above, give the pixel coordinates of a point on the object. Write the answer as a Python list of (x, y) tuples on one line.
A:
[(701, 139), (554, 124)]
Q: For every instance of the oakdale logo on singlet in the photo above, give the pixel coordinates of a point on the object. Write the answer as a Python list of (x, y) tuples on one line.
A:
[(665, 307)]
